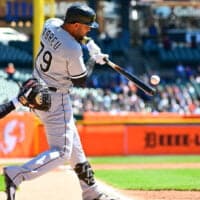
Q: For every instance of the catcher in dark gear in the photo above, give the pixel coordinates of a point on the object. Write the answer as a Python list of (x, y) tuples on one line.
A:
[(34, 95)]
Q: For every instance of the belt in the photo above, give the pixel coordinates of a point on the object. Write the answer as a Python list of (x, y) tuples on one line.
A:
[(53, 89)]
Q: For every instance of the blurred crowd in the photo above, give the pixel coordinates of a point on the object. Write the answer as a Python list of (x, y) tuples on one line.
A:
[(111, 92), (178, 97)]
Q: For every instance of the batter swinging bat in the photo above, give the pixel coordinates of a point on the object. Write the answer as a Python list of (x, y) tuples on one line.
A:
[(139, 83)]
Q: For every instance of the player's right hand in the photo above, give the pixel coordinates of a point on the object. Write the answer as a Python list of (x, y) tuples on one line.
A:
[(99, 58)]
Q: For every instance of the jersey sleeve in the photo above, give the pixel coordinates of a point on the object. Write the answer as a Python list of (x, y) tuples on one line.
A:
[(76, 66)]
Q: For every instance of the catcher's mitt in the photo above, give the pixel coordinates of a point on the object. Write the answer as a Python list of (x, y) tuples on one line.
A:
[(34, 95)]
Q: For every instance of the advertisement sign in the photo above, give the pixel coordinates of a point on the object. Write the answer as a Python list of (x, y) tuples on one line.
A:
[(17, 134)]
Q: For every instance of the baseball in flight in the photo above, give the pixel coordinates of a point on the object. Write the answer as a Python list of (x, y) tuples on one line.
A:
[(155, 80)]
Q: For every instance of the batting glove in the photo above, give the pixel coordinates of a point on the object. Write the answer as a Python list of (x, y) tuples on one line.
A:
[(99, 58), (95, 52)]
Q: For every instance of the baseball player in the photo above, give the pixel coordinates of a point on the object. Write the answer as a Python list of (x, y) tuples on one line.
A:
[(59, 65)]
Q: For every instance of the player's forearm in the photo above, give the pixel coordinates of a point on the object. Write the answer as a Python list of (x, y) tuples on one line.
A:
[(92, 47), (6, 108), (90, 66)]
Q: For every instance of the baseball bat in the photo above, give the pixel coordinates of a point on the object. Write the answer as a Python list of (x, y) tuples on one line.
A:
[(138, 82)]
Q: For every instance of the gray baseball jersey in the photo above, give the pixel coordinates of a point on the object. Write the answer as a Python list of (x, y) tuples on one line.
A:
[(58, 61), (60, 58)]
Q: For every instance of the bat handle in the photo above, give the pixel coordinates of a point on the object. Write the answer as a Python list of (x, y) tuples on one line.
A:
[(106, 59), (109, 62)]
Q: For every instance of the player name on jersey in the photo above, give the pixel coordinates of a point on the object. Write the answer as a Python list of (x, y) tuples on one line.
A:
[(49, 36)]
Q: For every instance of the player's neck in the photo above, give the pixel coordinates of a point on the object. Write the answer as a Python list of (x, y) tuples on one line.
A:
[(71, 30)]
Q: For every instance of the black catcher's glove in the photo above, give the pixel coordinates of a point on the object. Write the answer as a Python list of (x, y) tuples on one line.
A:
[(34, 95)]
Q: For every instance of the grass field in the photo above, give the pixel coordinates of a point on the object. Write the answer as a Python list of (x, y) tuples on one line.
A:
[(146, 159), (154, 179), (150, 179), (2, 185), (147, 179)]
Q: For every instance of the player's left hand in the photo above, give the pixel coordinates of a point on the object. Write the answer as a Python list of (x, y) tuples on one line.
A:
[(99, 58)]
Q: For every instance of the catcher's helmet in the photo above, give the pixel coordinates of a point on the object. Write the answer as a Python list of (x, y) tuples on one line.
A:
[(81, 13)]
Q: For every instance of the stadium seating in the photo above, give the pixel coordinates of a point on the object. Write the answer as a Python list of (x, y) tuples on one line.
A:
[(17, 55), (25, 46), (105, 99), (8, 89), (185, 55)]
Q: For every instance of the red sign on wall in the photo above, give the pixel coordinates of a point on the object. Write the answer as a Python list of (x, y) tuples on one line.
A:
[(17, 135)]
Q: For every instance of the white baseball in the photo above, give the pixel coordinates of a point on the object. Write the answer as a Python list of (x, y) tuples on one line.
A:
[(155, 80)]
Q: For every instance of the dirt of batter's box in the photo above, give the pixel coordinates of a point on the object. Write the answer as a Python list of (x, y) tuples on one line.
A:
[(62, 185)]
